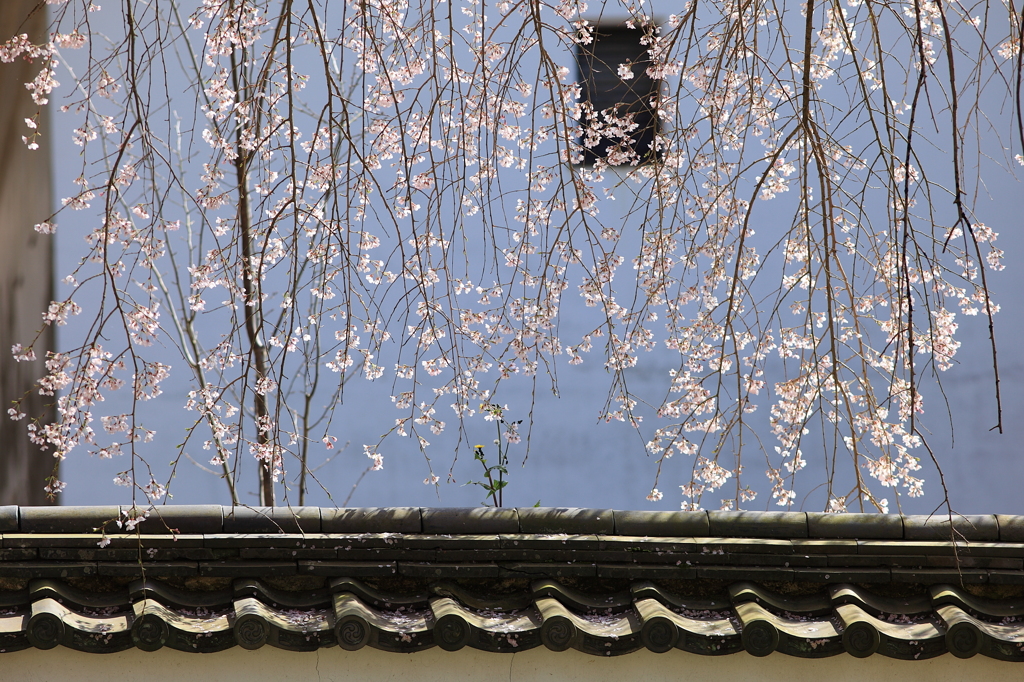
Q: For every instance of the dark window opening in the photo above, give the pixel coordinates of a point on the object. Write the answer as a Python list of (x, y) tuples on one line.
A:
[(618, 122)]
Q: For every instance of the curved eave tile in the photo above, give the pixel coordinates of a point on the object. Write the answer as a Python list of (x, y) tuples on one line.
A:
[(549, 614), (166, 595), (194, 630), (358, 625), (53, 624), (987, 609), (61, 592), (665, 628), (488, 630), (598, 633), (472, 600), (618, 602), (378, 599), (764, 632), (256, 624), (903, 637), (877, 605), (814, 605), (648, 590), (13, 628), (967, 636)]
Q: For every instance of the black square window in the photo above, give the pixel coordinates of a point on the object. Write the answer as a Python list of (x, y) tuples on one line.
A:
[(619, 124)]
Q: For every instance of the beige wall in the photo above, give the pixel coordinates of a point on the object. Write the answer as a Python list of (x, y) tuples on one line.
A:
[(26, 272), (468, 665)]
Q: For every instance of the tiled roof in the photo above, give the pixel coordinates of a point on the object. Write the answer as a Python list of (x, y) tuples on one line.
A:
[(605, 582)]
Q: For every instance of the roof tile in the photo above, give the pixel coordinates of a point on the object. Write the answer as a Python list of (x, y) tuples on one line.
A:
[(472, 521), (520, 576), (875, 526), (758, 524), (9, 518), (180, 519), (252, 520), (937, 527), (1011, 528), (371, 520), (657, 523), (566, 520), (69, 519)]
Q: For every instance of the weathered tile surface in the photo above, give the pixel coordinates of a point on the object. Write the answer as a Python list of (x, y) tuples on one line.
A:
[(601, 581)]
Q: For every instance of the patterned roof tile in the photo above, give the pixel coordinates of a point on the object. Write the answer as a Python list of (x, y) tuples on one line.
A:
[(203, 579)]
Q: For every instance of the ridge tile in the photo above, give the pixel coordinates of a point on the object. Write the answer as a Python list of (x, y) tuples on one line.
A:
[(660, 524), (350, 520), (983, 527), (469, 520), (853, 526), (9, 518), (758, 524), (253, 520), (69, 519), (190, 519), (571, 521)]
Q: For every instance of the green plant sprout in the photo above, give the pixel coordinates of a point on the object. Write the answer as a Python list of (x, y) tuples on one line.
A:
[(510, 430)]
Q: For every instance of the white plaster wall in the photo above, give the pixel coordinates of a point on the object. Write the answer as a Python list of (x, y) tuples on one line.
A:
[(435, 665)]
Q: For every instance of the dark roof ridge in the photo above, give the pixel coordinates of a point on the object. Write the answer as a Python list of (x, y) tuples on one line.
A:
[(602, 581), (215, 519)]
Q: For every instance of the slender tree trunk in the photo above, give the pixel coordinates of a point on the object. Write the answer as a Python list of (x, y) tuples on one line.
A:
[(254, 328)]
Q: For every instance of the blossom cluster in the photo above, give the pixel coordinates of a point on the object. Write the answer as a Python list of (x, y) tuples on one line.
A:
[(369, 195)]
